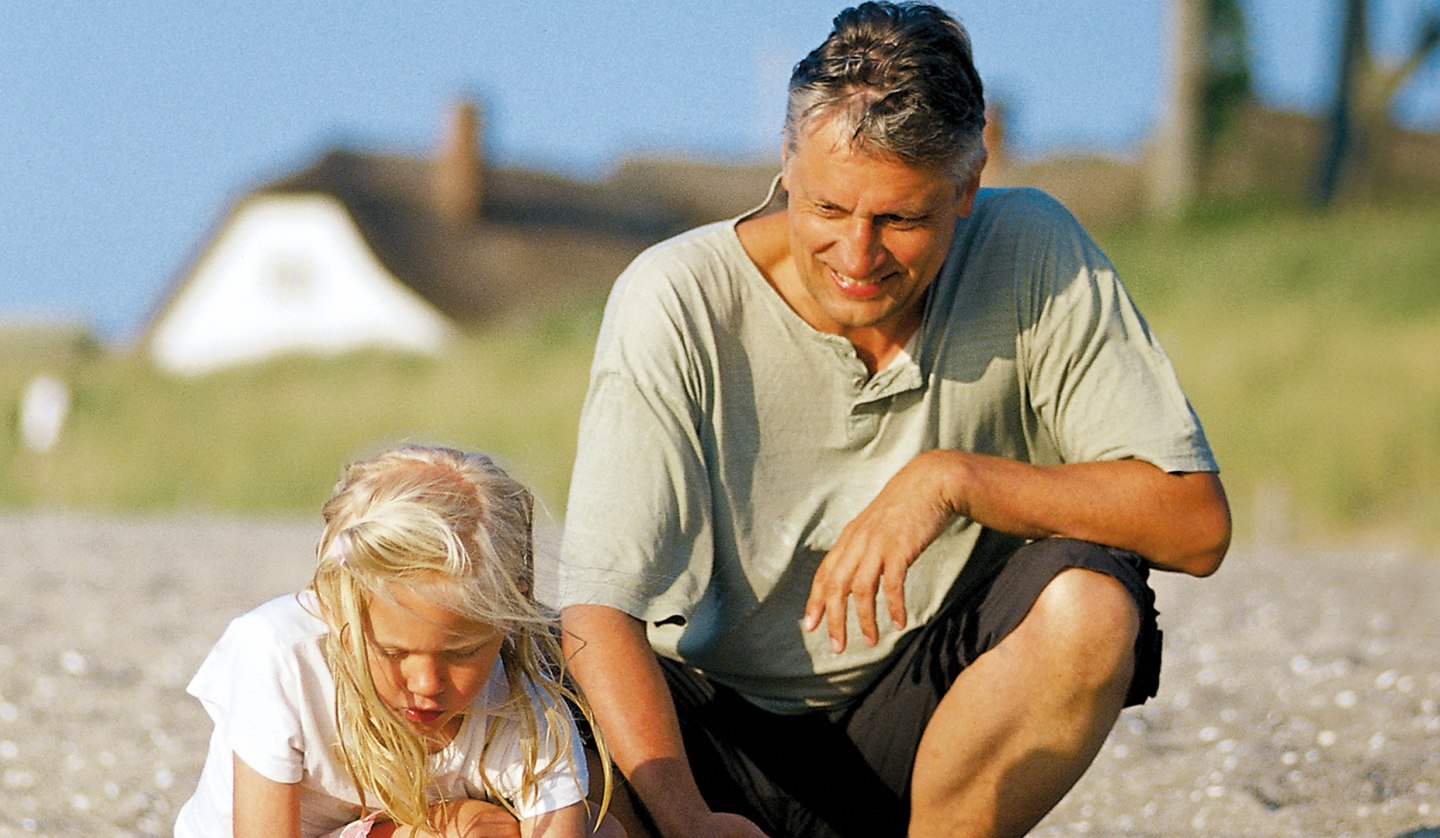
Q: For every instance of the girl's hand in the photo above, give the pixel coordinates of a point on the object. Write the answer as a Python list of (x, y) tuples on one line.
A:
[(459, 819), (569, 822)]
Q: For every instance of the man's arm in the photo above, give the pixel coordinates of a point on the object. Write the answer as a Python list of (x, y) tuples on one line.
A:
[(1178, 522), (612, 661)]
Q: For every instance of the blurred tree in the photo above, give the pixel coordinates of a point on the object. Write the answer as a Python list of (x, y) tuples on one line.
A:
[(1360, 122), (1209, 80), (1227, 84)]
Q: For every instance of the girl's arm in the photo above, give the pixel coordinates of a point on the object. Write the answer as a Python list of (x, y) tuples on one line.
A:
[(263, 807), (569, 822)]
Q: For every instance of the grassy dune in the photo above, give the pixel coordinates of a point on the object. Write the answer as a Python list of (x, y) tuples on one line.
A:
[(272, 438), (1309, 344)]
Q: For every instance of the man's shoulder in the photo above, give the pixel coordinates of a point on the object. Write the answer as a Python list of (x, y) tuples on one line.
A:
[(1022, 205), (713, 242), (1019, 226), (698, 263)]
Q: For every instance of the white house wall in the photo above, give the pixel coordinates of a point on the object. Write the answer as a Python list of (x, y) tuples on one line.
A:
[(290, 274)]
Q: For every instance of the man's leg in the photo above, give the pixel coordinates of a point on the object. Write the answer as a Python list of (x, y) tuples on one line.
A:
[(798, 776), (857, 768), (1020, 724)]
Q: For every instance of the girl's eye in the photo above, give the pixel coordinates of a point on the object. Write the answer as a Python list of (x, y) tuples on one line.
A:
[(392, 654), (465, 654)]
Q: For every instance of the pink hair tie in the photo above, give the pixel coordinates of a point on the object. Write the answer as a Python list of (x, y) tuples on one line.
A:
[(338, 554), (360, 828)]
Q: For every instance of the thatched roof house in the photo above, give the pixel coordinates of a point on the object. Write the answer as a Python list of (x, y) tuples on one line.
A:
[(362, 249)]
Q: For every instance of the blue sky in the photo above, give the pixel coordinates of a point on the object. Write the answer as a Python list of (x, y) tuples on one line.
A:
[(126, 129)]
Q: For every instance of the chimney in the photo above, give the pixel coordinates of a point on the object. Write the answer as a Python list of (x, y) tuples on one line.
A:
[(997, 153), (459, 171)]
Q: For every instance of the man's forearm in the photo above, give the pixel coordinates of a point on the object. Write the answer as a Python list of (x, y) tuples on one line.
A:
[(614, 665), (1177, 521)]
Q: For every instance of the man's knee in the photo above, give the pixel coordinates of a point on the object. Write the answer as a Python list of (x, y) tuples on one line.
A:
[(1090, 620)]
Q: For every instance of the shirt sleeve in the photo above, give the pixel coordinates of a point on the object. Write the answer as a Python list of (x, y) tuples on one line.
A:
[(638, 525), (1099, 381), (249, 686)]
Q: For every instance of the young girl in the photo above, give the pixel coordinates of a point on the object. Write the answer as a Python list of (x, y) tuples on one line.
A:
[(414, 688)]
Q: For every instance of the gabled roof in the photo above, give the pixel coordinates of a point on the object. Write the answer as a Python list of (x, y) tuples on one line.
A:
[(534, 236)]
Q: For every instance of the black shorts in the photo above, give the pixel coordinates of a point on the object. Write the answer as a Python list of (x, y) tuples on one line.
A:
[(847, 771)]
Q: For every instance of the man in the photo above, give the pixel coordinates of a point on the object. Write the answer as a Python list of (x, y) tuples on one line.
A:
[(867, 488)]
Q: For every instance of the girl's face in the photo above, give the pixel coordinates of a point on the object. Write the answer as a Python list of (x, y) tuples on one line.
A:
[(429, 663)]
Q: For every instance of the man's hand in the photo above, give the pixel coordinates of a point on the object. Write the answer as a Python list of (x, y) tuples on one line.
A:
[(1177, 521), (723, 825), (612, 661), (876, 549)]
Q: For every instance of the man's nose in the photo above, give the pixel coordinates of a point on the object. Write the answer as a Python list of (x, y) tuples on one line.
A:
[(860, 252)]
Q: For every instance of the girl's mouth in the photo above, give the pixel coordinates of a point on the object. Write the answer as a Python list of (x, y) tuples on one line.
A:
[(423, 717)]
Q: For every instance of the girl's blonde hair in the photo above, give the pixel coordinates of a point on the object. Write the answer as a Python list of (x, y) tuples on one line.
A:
[(418, 515)]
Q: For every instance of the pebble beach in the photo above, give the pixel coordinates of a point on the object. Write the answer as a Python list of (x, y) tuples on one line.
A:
[(1300, 694)]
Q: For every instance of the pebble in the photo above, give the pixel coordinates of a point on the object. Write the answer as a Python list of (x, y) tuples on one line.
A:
[(1297, 723), (1297, 697)]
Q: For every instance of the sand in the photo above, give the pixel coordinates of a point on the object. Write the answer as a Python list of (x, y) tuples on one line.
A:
[(1300, 696)]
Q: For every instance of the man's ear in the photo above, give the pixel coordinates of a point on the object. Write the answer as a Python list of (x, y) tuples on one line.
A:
[(966, 202)]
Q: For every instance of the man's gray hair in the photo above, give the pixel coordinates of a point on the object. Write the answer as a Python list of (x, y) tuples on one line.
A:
[(901, 79)]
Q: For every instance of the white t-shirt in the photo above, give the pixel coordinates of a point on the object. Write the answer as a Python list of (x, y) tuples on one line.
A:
[(269, 691)]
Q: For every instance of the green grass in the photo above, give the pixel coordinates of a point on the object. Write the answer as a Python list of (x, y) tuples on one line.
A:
[(1309, 345), (272, 438)]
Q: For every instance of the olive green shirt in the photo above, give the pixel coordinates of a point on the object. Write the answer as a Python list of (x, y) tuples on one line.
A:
[(725, 442)]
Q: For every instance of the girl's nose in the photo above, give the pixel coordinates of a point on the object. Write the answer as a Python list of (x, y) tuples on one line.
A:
[(422, 676)]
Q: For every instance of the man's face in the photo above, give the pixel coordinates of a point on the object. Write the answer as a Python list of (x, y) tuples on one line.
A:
[(868, 233)]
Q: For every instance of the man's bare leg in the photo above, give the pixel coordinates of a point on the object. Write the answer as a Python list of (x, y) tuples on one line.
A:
[(1021, 724)]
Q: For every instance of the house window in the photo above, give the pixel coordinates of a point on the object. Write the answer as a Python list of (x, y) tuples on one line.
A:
[(292, 276)]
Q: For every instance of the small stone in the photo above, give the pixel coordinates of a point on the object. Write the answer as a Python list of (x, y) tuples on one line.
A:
[(74, 663)]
